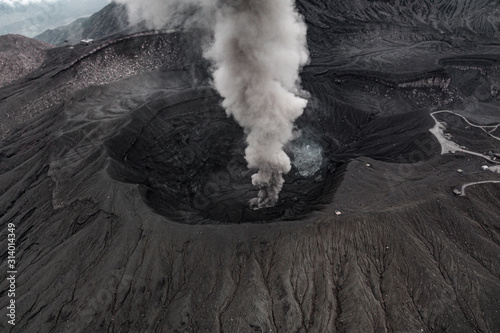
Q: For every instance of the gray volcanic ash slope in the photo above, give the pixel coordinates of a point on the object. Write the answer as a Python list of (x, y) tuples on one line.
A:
[(19, 56), (128, 185)]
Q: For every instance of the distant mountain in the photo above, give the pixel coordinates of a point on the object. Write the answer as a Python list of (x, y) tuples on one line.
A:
[(111, 19), (19, 56), (31, 20)]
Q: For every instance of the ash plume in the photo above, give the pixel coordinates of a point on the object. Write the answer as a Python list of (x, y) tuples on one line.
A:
[(258, 50)]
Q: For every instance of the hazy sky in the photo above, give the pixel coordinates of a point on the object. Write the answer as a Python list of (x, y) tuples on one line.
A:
[(23, 2), (27, 2)]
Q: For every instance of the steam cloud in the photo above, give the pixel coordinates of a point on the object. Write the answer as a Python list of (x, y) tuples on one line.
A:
[(258, 50)]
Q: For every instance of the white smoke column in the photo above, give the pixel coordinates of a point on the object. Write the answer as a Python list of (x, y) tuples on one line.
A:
[(258, 50)]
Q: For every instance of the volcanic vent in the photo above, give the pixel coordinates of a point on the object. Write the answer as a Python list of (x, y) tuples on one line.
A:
[(188, 158)]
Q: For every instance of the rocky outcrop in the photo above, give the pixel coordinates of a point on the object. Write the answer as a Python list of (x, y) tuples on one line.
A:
[(19, 56)]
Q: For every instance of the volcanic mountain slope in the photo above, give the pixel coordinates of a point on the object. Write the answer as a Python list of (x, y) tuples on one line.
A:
[(128, 189), (30, 18), (110, 20), (19, 56)]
